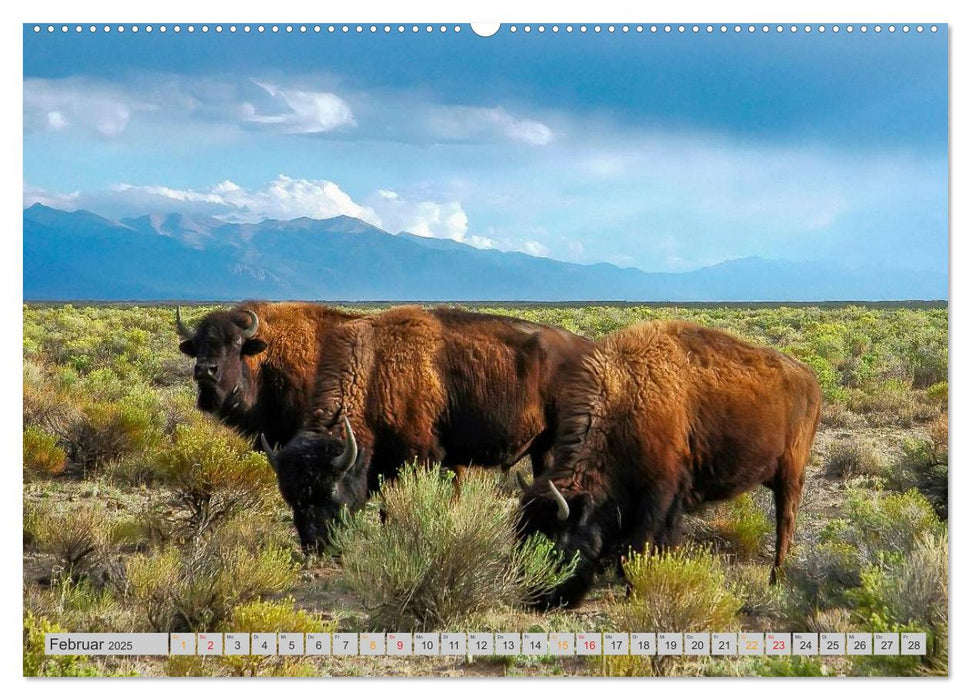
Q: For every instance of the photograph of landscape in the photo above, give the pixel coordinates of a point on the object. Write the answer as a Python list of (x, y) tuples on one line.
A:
[(399, 268)]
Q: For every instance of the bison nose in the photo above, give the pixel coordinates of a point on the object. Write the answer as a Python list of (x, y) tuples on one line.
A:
[(204, 371)]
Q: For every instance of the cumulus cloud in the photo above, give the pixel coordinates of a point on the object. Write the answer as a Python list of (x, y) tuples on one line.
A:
[(282, 198), (426, 218), (461, 123)]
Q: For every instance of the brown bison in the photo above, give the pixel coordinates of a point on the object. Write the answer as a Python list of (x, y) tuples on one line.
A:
[(256, 364), (659, 419), (441, 385)]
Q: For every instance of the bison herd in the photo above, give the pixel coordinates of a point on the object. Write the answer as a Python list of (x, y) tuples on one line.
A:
[(624, 435)]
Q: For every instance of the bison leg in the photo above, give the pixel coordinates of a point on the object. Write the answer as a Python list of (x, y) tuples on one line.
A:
[(457, 481), (788, 491), (670, 533)]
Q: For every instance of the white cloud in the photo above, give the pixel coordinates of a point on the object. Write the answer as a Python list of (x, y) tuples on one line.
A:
[(426, 218), (307, 104), (282, 198), (55, 104), (460, 123), (107, 108), (38, 195), (535, 248), (56, 120), (301, 111)]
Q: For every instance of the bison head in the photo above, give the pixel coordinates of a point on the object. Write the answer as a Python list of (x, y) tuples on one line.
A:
[(320, 474), (572, 522), (219, 343)]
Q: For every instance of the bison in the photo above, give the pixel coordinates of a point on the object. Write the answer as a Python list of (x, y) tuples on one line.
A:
[(659, 419), (441, 385), (256, 364)]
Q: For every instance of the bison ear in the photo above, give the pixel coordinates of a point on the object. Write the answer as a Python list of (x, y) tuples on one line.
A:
[(253, 346), (188, 347)]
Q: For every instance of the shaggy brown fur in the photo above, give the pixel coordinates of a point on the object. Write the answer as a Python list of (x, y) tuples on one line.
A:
[(276, 378), (443, 385), (665, 416), (440, 385)]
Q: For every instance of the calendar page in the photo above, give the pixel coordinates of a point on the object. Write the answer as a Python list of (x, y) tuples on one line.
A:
[(453, 350)]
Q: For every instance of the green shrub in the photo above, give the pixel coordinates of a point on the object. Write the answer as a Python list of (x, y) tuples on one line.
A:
[(213, 474), (262, 616), (46, 406), (853, 457), (924, 466), (272, 616), (741, 525), (438, 558), (926, 361), (820, 576), (893, 397), (194, 587), (890, 524), (76, 534), (38, 663), (751, 583), (682, 590), (909, 594), (79, 605), (827, 376), (788, 667), (108, 431), (938, 393), (43, 457), (873, 541)]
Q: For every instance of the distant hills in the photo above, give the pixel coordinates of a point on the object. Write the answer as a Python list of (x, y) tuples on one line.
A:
[(80, 255)]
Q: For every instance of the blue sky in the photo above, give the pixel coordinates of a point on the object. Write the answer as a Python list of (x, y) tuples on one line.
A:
[(660, 151)]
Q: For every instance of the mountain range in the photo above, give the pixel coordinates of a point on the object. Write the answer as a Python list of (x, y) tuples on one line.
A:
[(80, 255)]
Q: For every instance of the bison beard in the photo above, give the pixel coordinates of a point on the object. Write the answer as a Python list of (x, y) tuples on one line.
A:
[(661, 418), (444, 385)]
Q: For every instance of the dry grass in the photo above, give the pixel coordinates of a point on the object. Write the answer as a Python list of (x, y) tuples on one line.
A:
[(76, 535), (194, 587)]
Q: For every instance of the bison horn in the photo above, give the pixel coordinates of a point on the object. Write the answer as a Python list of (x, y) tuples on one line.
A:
[(180, 328), (270, 452), (345, 459), (254, 324), (523, 484), (562, 507)]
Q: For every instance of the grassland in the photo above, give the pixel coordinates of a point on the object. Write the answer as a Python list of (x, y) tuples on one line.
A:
[(141, 514)]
